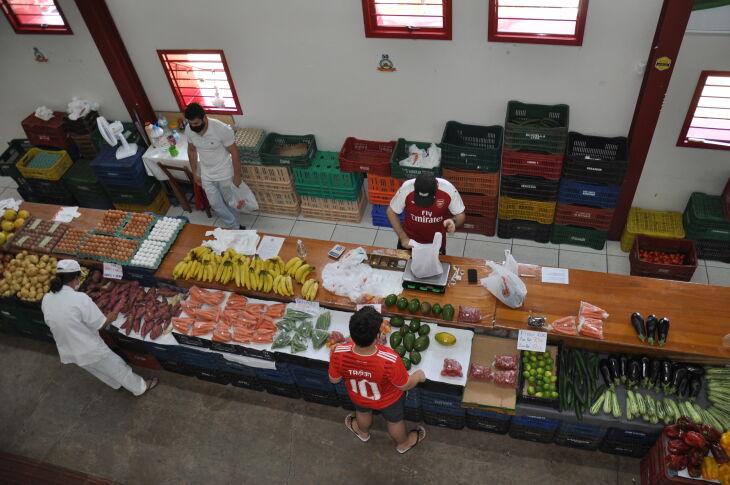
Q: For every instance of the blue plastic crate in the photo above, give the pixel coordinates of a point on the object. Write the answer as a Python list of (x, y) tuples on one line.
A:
[(413, 398), (380, 217), (311, 378), (631, 436), (583, 436), (492, 422), (536, 422), (238, 369), (439, 403), (127, 171), (281, 374), (577, 193)]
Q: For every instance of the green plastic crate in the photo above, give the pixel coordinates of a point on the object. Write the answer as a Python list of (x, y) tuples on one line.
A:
[(706, 210), (401, 153), (578, 236), (327, 192), (697, 232), (472, 147), (325, 172), (536, 127), (274, 141), (142, 195)]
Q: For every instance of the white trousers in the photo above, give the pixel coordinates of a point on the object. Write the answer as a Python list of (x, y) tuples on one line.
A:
[(115, 373), (218, 193)]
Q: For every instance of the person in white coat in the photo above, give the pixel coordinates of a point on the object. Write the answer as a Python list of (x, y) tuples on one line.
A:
[(75, 321)]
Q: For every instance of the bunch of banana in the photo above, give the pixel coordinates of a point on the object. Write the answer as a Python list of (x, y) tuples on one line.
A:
[(283, 285), (191, 265), (298, 268), (274, 265), (309, 289)]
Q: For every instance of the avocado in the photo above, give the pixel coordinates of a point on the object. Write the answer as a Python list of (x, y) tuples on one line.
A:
[(396, 321), (415, 357), (448, 312), (400, 350), (415, 324), (406, 362), (421, 343), (402, 303), (425, 308), (395, 339), (405, 330), (414, 305), (390, 300), (423, 330), (409, 341), (436, 309)]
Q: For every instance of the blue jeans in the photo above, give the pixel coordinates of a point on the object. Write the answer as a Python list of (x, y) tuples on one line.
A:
[(218, 192)]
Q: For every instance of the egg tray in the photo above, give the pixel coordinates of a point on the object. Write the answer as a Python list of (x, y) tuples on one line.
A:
[(146, 233), (72, 253), (117, 230), (43, 226), (94, 257), (157, 261), (174, 235)]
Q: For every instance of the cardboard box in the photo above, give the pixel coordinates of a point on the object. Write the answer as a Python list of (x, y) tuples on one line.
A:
[(487, 395)]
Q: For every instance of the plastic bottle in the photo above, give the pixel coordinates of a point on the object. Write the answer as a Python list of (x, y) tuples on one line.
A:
[(148, 130), (176, 135), (301, 250)]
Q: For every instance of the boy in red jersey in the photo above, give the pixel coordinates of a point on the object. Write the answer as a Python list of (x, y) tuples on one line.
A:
[(375, 378)]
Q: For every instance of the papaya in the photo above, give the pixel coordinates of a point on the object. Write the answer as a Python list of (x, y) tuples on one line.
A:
[(445, 338), (397, 322), (421, 343), (390, 300), (402, 303), (414, 305), (409, 341), (448, 312), (425, 308), (395, 339)]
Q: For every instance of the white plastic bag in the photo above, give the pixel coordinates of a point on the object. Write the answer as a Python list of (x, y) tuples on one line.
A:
[(352, 277), (425, 258), (242, 198), (504, 283)]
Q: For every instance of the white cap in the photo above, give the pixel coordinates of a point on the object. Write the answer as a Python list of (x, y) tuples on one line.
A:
[(68, 266)]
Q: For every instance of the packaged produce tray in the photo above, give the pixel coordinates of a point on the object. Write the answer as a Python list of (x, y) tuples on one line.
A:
[(578, 193), (371, 157), (520, 229), (528, 210), (401, 153), (651, 223), (532, 164), (288, 150), (52, 166), (596, 159), (536, 127), (583, 216), (471, 147), (578, 236), (471, 181), (680, 272), (532, 188), (381, 189)]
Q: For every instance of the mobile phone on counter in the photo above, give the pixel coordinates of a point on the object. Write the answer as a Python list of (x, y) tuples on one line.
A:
[(471, 275), (336, 251)]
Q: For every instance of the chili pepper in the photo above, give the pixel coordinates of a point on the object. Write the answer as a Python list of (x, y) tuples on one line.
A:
[(672, 430), (710, 470), (638, 322), (678, 447), (711, 433), (695, 439), (651, 323), (676, 462), (719, 453), (695, 457)]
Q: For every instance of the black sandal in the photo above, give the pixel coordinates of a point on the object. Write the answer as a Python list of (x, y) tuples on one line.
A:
[(420, 436)]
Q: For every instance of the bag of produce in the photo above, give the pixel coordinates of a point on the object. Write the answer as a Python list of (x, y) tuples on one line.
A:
[(564, 326), (298, 343), (319, 338), (323, 321), (425, 258), (451, 368), (506, 362), (242, 198), (469, 314), (282, 339), (590, 327), (507, 378), (305, 329), (480, 372), (504, 283), (591, 311)]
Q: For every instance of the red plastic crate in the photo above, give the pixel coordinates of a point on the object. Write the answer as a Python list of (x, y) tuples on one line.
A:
[(480, 204), (47, 133), (382, 188), (530, 163), (141, 360), (726, 200), (680, 272), (372, 157), (472, 181), (479, 224), (583, 216)]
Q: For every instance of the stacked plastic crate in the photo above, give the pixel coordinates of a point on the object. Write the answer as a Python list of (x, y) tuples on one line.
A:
[(328, 193), (534, 146), (43, 171), (470, 157), (273, 188), (82, 182), (593, 172), (8, 160), (127, 183), (705, 223), (81, 131), (249, 141)]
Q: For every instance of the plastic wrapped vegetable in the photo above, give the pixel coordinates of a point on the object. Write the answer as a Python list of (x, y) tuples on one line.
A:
[(480, 372), (590, 327), (282, 340), (507, 378), (506, 362), (469, 314), (319, 338), (286, 325), (305, 329), (564, 326), (323, 321), (451, 368), (298, 343), (591, 311)]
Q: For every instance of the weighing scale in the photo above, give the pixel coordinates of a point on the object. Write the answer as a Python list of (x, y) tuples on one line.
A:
[(434, 284)]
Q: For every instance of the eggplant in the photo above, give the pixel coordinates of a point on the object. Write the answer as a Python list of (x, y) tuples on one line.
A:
[(666, 377), (638, 322), (634, 372), (679, 374), (655, 372), (644, 364), (651, 324), (695, 369), (615, 367), (662, 331), (624, 367), (695, 385), (605, 372), (683, 386)]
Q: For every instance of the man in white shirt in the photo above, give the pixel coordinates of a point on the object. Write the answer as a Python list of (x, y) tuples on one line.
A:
[(75, 321), (211, 147)]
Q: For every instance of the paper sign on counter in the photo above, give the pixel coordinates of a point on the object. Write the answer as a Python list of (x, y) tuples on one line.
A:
[(374, 305), (67, 214), (270, 247), (113, 271), (531, 340), (555, 275), (311, 307)]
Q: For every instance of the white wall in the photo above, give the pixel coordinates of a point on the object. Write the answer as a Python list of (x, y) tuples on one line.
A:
[(306, 67), (75, 68), (672, 173)]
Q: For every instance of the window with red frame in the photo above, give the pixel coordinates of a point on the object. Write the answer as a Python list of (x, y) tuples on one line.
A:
[(412, 19), (707, 124), (35, 16), (201, 76), (537, 21)]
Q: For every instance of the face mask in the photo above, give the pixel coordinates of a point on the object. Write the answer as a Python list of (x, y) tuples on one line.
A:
[(199, 128)]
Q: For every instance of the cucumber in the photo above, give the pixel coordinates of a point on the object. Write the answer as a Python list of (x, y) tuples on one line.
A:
[(597, 405)]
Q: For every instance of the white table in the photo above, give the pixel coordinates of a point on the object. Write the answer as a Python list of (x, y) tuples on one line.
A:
[(154, 156)]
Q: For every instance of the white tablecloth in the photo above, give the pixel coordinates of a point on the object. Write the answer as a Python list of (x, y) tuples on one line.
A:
[(153, 156)]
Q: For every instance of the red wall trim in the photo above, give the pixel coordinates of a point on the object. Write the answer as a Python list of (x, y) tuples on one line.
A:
[(667, 41), (494, 36), (373, 30), (685, 142)]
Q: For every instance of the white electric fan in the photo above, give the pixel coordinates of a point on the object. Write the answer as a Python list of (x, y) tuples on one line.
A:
[(113, 132)]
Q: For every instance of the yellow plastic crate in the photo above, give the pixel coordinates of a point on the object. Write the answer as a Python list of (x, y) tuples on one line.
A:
[(666, 224), (159, 206), (52, 173), (527, 210)]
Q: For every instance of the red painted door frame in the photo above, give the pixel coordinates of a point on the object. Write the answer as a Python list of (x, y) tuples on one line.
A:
[(667, 41), (101, 25)]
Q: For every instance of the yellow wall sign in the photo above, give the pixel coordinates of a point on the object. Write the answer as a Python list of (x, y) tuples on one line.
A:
[(663, 63)]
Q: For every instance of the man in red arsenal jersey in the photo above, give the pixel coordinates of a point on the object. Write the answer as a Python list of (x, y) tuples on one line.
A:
[(431, 204), (375, 378)]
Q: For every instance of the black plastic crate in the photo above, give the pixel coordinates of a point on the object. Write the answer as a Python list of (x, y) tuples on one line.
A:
[(624, 448), (16, 149), (247, 382), (413, 414), (56, 189), (596, 159), (213, 375), (534, 428), (144, 194), (583, 436), (713, 250), (445, 420), (66, 201), (492, 422), (281, 389), (281, 374), (312, 379), (520, 229), (27, 195), (471, 147), (319, 396), (127, 343), (531, 188), (177, 367), (440, 403), (7, 327), (536, 127)]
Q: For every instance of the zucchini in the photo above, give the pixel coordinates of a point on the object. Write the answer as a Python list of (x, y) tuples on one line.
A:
[(672, 408), (650, 407), (640, 402), (607, 402), (692, 414), (616, 407), (698, 411), (660, 409), (597, 404)]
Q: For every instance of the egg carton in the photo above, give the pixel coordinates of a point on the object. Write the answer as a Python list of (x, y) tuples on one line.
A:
[(146, 233), (151, 262), (156, 234), (117, 230), (94, 257)]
